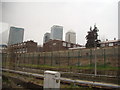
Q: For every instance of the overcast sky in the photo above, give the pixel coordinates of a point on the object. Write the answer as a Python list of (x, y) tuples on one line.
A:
[(38, 17)]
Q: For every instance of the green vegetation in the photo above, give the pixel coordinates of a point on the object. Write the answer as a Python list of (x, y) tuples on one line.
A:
[(99, 67), (72, 86), (5, 80)]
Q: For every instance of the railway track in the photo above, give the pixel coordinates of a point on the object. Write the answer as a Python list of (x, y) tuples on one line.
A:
[(39, 70), (69, 81), (81, 76)]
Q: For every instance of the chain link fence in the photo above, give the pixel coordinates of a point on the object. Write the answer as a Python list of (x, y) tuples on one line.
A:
[(80, 61)]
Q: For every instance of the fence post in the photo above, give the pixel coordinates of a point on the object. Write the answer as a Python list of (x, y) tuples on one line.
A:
[(79, 58), (90, 57), (32, 61), (29, 59), (104, 58), (38, 60), (68, 58), (44, 57), (51, 57), (2, 61), (24, 58), (95, 49), (115, 54), (59, 58)]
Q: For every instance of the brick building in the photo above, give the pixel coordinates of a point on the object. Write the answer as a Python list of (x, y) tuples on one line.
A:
[(57, 45), (39, 48), (3, 48), (110, 43), (24, 47)]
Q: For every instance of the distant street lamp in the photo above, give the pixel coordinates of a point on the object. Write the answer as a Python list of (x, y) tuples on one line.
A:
[(95, 61), (95, 46)]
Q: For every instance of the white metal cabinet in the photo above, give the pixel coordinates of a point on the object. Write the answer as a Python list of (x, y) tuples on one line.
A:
[(51, 79)]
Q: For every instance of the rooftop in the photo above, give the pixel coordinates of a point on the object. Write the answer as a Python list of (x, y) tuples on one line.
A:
[(110, 41)]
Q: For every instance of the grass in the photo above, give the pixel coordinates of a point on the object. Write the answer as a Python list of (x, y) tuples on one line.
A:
[(99, 67), (87, 67)]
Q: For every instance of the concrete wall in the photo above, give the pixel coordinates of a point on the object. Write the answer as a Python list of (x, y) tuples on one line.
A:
[(81, 57)]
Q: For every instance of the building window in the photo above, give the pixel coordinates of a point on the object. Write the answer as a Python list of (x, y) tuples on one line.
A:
[(54, 43), (118, 43), (74, 46), (103, 45), (69, 45), (110, 44), (64, 44), (107, 44)]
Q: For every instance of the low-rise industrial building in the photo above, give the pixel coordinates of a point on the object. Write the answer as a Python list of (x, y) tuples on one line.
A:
[(3, 48), (57, 45), (39, 48), (110, 43), (24, 47)]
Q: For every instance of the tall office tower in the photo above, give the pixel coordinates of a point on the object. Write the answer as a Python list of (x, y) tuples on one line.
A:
[(15, 35), (70, 37), (46, 37), (56, 32)]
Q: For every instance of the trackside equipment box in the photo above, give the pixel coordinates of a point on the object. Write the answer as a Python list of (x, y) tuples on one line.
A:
[(51, 79)]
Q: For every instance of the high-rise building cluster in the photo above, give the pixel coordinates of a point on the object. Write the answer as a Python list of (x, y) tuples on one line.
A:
[(52, 41), (70, 36), (57, 34), (46, 37), (16, 35)]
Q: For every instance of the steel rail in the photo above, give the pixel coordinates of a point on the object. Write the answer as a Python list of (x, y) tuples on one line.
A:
[(99, 75), (67, 79)]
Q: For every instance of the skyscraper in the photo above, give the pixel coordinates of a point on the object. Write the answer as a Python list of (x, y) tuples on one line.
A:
[(15, 35), (70, 37), (56, 32), (46, 37)]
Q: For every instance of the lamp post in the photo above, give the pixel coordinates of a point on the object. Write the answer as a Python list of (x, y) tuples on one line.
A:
[(95, 46), (95, 61)]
